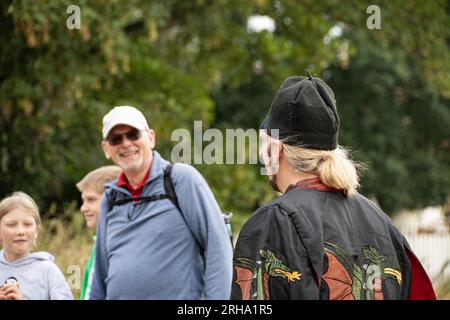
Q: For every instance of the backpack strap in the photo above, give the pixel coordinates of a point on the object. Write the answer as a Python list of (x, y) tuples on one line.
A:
[(172, 196), (170, 189), (143, 199), (115, 199)]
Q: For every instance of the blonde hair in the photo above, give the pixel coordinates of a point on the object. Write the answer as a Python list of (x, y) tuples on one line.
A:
[(20, 200), (96, 179), (334, 167)]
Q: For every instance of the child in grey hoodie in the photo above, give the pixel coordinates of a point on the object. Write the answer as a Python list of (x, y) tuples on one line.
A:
[(25, 275)]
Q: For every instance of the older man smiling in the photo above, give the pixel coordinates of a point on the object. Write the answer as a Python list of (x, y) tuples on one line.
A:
[(160, 233)]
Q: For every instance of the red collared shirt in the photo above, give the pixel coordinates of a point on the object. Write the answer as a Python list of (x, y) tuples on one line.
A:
[(135, 192)]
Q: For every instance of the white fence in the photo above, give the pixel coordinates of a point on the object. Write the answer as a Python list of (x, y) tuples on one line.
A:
[(434, 253), (432, 248)]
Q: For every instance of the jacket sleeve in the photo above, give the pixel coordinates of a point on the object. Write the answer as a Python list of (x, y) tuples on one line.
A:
[(58, 287), (270, 261), (98, 288), (204, 217)]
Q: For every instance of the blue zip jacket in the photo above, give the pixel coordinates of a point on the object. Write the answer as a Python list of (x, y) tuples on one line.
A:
[(147, 251)]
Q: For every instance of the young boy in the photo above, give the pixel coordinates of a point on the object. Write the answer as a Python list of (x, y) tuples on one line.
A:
[(92, 188)]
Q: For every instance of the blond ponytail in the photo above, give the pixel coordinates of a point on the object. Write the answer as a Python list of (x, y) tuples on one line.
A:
[(334, 167)]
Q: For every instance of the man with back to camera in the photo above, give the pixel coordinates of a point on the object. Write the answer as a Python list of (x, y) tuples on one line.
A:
[(148, 248), (320, 239)]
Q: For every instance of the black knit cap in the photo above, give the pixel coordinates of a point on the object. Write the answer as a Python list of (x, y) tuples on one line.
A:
[(304, 111)]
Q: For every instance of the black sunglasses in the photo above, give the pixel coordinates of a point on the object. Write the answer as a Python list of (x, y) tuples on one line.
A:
[(116, 139)]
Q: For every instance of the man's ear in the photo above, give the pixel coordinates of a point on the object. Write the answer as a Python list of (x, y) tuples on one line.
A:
[(152, 137), (276, 149), (105, 147), (273, 153), (281, 154)]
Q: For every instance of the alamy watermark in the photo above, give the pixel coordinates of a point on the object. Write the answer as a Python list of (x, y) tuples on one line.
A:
[(213, 146), (74, 20), (74, 277), (374, 20)]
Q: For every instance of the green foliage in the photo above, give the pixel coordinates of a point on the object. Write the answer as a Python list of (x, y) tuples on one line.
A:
[(399, 126), (181, 61), (67, 238), (443, 290)]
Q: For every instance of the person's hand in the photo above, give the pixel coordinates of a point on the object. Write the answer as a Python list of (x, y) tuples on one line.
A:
[(2, 296), (11, 292)]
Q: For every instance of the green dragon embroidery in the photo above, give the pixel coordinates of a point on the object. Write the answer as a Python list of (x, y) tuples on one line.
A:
[(275, 268), (366, 281), (259, 272)]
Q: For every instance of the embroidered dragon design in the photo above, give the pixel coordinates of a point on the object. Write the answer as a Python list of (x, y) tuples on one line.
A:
[(346, 280), (253, 278)]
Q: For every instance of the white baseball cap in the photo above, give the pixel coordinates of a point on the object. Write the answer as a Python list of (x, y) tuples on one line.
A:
[(123, 115)]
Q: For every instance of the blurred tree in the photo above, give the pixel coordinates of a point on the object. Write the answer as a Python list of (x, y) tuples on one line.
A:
[(245, 106), (176, 60), (394, 112), (397, 124)]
